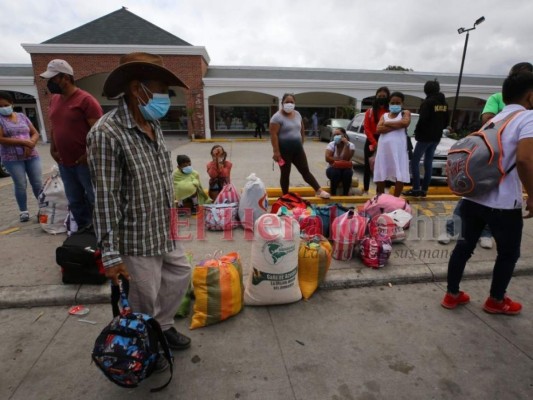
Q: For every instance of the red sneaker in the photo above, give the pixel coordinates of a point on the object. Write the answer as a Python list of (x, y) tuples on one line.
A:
[(451, 301), (506, 306)]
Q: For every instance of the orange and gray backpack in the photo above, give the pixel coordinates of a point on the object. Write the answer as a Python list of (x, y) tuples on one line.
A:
[(474, 164)]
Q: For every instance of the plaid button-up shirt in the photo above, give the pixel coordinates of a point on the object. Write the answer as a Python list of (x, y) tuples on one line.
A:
[(132, 179)]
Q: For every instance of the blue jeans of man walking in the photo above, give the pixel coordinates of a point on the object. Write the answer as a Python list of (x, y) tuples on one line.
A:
[(506, 227), (19, 170), (426, 149), (79, 192)]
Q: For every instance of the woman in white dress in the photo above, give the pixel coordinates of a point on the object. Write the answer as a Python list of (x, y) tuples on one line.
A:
[(392, 158)]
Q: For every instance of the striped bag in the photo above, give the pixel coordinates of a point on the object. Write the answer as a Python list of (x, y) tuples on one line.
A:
[(314, 259), (218, 289)]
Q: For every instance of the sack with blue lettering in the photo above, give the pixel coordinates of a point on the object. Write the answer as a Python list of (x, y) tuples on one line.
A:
[(273, 275)]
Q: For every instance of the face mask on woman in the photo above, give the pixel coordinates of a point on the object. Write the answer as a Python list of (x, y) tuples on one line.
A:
[(337, 139), (6, 111), (288, 107), (187, 170), (395, 108)]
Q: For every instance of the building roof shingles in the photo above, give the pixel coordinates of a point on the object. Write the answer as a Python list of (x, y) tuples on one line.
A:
[(119, 27)]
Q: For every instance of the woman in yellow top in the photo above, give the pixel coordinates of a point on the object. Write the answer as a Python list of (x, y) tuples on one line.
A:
[(187, 185)]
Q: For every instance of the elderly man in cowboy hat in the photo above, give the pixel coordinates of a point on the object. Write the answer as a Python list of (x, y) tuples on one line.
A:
[(131, 171)]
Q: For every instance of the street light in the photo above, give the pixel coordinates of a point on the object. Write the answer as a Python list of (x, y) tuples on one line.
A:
[(463, 30)]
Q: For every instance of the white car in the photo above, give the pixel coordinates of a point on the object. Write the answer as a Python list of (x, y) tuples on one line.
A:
[(357, 136)]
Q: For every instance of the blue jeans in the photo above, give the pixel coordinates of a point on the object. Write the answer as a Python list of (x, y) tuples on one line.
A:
[(426, 149), (337, 176), (79, 192), (505, 225), (453, 225), (19, 170)]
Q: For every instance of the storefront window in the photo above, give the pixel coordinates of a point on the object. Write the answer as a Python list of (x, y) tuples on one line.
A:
[(241, 118)]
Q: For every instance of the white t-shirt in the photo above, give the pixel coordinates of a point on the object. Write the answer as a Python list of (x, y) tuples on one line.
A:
[(331, 147), (508, 195)]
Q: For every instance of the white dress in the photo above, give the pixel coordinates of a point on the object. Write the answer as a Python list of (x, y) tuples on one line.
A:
[(392, 159)]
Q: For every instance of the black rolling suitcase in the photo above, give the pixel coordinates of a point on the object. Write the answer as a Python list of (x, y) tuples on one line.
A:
[(80, 259)]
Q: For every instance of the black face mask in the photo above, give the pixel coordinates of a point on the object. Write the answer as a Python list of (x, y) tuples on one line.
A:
[(382, 101), (53, 87)]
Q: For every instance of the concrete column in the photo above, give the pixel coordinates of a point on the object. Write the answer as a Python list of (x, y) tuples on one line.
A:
[(207, 120)]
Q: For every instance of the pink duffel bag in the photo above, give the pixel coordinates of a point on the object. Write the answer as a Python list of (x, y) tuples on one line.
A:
[(386, 203), (347, 230)]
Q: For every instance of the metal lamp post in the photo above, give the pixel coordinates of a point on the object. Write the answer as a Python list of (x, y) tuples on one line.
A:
[(463, 30)]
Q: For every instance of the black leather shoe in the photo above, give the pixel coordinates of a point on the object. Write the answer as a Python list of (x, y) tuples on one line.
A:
[(413, 193), (176, 340)]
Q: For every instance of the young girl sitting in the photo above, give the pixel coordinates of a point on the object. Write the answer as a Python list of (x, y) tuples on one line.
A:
[(187, 185), (219, 170)]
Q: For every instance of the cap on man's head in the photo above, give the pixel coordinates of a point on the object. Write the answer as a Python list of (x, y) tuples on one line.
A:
[(139, 66), (57, 67)]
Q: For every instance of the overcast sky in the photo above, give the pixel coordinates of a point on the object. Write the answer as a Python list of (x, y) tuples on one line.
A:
[(351, 34)]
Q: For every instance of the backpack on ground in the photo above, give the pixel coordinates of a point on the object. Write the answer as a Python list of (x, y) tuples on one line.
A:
[(127, 349), (290, 200), (474, 165), (80, 259)]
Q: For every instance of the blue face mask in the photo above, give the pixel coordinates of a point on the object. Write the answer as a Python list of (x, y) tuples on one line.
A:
[(6, 111), (156, 108), (187, 170), (395, 108), (337, 139)]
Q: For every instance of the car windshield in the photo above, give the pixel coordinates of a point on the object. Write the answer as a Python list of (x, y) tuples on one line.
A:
[(340, 123)]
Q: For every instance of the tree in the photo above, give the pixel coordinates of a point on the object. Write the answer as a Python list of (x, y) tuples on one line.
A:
[(397, 68)]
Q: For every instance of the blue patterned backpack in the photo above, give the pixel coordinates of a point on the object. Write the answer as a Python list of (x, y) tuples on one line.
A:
[(128, 348)]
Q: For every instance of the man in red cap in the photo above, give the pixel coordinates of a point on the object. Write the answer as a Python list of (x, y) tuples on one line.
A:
[(72, 113)]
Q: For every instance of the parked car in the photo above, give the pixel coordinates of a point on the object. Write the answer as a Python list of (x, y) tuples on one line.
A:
[(326, 129), (356, 133), (3, 170)]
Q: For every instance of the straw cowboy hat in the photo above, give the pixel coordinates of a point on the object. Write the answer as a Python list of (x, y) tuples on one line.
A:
[(142, 66)]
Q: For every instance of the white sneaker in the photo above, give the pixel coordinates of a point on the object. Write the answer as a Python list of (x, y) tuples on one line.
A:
[(365, 194), (444, 238), (485, 242), (323, 194)]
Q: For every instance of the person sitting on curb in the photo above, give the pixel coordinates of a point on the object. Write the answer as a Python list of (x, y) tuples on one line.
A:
[(339, 157), (187, 185), (219, 171), (500, 207)]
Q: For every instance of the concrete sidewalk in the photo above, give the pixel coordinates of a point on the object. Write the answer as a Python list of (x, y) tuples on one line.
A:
[(29, 275), (367, 344)]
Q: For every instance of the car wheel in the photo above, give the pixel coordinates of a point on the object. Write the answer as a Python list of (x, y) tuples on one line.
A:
[(3, 171)]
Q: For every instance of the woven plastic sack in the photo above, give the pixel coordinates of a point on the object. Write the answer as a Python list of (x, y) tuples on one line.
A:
[(273, 278), (346, 231), (228, 194), (218, 289), (253, 203), (53, 204), (314, 259)]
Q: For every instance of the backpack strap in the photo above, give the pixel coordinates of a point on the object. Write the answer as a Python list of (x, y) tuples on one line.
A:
[(166, 351), (119, 297)]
